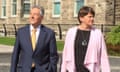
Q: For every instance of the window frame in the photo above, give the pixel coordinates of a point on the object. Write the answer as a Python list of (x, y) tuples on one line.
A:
[(53, 13), (13, 3), (26, 2), (75, 7), (3, 9)]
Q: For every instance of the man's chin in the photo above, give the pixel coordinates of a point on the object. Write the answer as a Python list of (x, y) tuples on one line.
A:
[(32, 23)]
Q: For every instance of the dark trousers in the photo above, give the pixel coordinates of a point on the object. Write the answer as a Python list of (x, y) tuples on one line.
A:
[(33, 69)]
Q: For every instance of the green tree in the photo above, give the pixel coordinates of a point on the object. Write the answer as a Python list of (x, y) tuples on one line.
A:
[(113, 37)]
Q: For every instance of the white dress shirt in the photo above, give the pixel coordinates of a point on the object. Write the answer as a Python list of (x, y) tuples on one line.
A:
[(37, 32)]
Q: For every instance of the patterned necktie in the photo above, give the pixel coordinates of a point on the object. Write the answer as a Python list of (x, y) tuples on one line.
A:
[(33, 38)]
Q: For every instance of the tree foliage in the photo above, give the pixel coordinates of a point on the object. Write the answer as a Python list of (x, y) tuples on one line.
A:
[(113, 37)]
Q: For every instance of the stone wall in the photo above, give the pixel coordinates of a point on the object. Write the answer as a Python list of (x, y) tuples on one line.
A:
[(66, 16), (104, 12), (117, 12)]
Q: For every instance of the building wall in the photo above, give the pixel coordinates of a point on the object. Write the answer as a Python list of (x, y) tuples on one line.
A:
[(66, 16), (104, 12), (117, 10)]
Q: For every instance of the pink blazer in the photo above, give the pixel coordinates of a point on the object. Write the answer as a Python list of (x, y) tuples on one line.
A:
[(96, 58)]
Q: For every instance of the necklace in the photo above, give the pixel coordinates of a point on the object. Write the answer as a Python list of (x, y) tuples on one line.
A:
[(84, 42)]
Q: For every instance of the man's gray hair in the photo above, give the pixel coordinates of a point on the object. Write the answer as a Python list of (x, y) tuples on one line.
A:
[(41, 9)]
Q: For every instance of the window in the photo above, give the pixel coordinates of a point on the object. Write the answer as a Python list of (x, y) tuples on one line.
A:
[(3, 8), (26, 7), (56, 8), (14, 7), (78, 5)]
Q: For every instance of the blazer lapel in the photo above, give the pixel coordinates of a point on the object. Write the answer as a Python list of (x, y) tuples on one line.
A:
[(92, 49), (28, 37), (41, 39)]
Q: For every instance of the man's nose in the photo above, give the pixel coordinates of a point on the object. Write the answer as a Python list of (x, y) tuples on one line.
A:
[(32, 17)]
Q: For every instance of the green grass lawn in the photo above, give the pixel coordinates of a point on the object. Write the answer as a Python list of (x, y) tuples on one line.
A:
[(7, 40), (60, 44), (11, 41)]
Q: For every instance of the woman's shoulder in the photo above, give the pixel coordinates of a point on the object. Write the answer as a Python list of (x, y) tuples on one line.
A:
[(96, 30), (72, 28)]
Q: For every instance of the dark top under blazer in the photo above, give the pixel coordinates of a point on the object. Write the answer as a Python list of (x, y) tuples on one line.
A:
[(45, 55), (80, 50)]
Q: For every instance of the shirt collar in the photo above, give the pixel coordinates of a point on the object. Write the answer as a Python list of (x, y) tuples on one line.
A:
[(38, 27)]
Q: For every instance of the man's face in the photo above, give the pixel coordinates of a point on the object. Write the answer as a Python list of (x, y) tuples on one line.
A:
[(35, 17)]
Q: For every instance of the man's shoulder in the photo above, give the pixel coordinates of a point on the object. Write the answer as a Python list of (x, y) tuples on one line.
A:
[(24, 27), (47, 29), (21, 29)]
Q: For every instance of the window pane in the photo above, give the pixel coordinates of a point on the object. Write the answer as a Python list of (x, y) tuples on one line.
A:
[(4, 2), (26, 8), (56, 0), (78, 0), (4, 11), (79, 4), (14, 9), (26, 0), (3, 7), (14, 0), (57, 8)]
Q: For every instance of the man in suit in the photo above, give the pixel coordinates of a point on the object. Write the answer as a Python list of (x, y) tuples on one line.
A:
[(35, 51)]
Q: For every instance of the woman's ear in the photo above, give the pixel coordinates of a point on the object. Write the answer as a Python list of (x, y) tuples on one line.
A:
[(81, 19)]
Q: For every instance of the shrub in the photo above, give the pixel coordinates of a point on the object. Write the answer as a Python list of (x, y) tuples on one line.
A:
[(113, 37)]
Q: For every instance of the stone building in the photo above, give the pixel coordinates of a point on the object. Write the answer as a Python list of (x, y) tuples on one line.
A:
[(59, 11)]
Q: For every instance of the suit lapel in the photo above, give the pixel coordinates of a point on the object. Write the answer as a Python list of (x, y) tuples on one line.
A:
[(28, 37), (41, 39)]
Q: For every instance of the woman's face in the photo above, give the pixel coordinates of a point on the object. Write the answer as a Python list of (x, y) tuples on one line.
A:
[(87, 20)]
